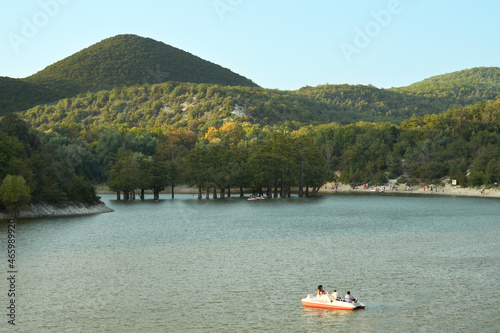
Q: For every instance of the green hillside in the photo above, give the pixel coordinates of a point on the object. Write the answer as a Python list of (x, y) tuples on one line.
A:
[(119, 61), (352, 103), (178, 105), (460, 88), (17, 95), (126, 60), (198, 106), (181, 90), (477, 75)]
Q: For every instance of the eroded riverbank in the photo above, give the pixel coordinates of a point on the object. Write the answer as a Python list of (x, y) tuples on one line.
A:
[(67, 209)]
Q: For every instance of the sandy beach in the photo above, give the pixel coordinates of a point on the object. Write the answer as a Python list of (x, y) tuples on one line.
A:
[(392, 188)]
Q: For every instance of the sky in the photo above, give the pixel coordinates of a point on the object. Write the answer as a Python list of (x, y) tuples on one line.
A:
[(278, 44)]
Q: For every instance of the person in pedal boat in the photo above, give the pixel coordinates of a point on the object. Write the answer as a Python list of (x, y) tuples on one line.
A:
[(323, 294), (348, 298), (321, 291), (335, 296)]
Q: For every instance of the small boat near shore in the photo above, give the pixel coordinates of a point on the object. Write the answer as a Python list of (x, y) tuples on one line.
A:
[(254, 198), (324, 303)]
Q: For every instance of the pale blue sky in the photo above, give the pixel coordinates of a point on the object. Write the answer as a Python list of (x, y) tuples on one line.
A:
[(277, 44)]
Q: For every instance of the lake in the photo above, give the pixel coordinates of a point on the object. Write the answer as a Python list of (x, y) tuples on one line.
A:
[(420, 264)]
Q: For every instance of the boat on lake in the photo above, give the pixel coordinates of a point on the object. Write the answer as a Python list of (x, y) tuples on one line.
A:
[(325, 303), (255, 198)]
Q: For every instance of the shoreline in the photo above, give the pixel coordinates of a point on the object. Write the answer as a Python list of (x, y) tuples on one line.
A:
[(449, 190), (44, 210)]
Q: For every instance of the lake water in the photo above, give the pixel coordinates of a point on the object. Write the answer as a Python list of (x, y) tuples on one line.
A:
[(420, 264)]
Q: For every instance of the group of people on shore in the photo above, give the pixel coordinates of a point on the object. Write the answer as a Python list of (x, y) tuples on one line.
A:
[(334, 296)]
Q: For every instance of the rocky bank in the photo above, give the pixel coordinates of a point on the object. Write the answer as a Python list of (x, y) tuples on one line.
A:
[(66, 209)]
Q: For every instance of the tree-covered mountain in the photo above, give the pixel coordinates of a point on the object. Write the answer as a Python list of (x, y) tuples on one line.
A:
[(199, 106), (459, 88), (126, 60), (18, 95), (351, 103), (189, 105), (485, 76), (118, 61)]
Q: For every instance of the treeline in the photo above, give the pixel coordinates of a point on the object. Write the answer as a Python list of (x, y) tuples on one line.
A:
[(49, 165), (462, 144), (271, 165)]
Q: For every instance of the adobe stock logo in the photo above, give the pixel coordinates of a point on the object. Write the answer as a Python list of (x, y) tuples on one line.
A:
[(224, 6), (363, 37), (31, 26)]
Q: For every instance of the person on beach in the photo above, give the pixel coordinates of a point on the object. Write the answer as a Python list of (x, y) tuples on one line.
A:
[(348, 298)]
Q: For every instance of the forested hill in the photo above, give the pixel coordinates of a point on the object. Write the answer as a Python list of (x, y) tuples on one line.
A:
[(17, 95), (118, 61), (187, 91), (465, 87), (489, 76), (126, 60), (351, 103), (198, 106)]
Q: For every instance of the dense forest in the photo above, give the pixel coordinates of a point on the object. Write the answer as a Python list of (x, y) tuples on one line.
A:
[(461, 143), (53, 168), (197, 107)]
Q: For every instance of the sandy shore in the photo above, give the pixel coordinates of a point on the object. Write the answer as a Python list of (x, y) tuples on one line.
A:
[(447, 190)]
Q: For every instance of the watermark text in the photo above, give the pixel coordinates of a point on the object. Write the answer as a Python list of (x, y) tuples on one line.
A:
[(11, 272), (364, 36), (30, 26), (224, 6)]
